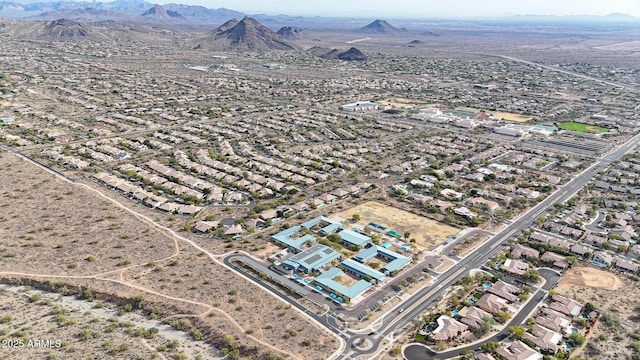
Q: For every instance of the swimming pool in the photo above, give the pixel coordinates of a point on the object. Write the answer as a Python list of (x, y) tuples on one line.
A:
[(486, 285), (454, 313)]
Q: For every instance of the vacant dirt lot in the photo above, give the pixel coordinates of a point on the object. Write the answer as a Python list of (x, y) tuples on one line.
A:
[(66, 230), (81, 335), (428, 233), (589, 277), (237, 307), (616, 298), (78, 238), (512, 117)]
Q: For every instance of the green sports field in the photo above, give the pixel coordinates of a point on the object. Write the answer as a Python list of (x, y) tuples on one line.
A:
[(585, 128)]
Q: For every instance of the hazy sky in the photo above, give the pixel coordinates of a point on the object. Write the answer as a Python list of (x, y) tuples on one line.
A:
[(426, 8)]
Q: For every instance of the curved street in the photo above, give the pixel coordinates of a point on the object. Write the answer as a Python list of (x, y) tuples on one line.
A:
[(425, 297)]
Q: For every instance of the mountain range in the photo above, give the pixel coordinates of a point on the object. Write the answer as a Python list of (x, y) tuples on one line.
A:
[(114, 10), (200, 14)]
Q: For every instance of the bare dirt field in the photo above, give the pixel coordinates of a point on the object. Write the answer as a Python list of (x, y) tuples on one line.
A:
[(77, 334), (631, 46), (428, 233), (77, 233), (77, 238), (512, 117), (590, 277), (616, 298), (236, 307)]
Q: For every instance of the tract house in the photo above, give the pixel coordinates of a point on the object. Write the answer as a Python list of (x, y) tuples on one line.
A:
[(492, 304)]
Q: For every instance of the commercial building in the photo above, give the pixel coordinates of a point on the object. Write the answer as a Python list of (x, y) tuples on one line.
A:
[(327, 281), (396, 261), (311, 259), (362, 270), (352, 238), (322, 225), (363, 106), (289, 238)]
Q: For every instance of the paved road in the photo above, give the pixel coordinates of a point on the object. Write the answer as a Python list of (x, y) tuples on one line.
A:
[(424, 298), (567, 72), (415, 352), (595, 225)]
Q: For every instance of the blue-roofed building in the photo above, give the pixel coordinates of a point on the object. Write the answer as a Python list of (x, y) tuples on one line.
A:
[(330, 229), (366, 254), (327, 225), (311, 259), (287, 238), (362, 270), (377, 227), (396, 261), (350, 237), (327, 282), (396, 265), (393, 233)]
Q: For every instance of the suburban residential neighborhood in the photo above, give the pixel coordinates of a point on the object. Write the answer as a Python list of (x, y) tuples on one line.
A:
[(198, 185)]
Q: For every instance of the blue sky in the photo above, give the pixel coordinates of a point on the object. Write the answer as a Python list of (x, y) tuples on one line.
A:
[(426, 8)]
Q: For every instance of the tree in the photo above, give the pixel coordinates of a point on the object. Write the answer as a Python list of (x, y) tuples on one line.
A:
[(578, 339), (228, 340), (464, 353), (234, 354), (588, 308), (355, 217), (490, 346), (532, 275), (517, 332), (485, 326), (502, 316), (407, 235), (334, 238), (138, 301)]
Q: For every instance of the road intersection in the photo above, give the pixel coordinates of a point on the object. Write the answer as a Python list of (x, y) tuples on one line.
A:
[(424, 298)]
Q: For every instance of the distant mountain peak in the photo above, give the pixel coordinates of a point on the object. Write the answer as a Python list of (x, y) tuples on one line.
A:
[(352, 54), (379, 27), (289, 32), (159, 12), (224, 27), (65, 29), (245, 35), (620, 16)]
